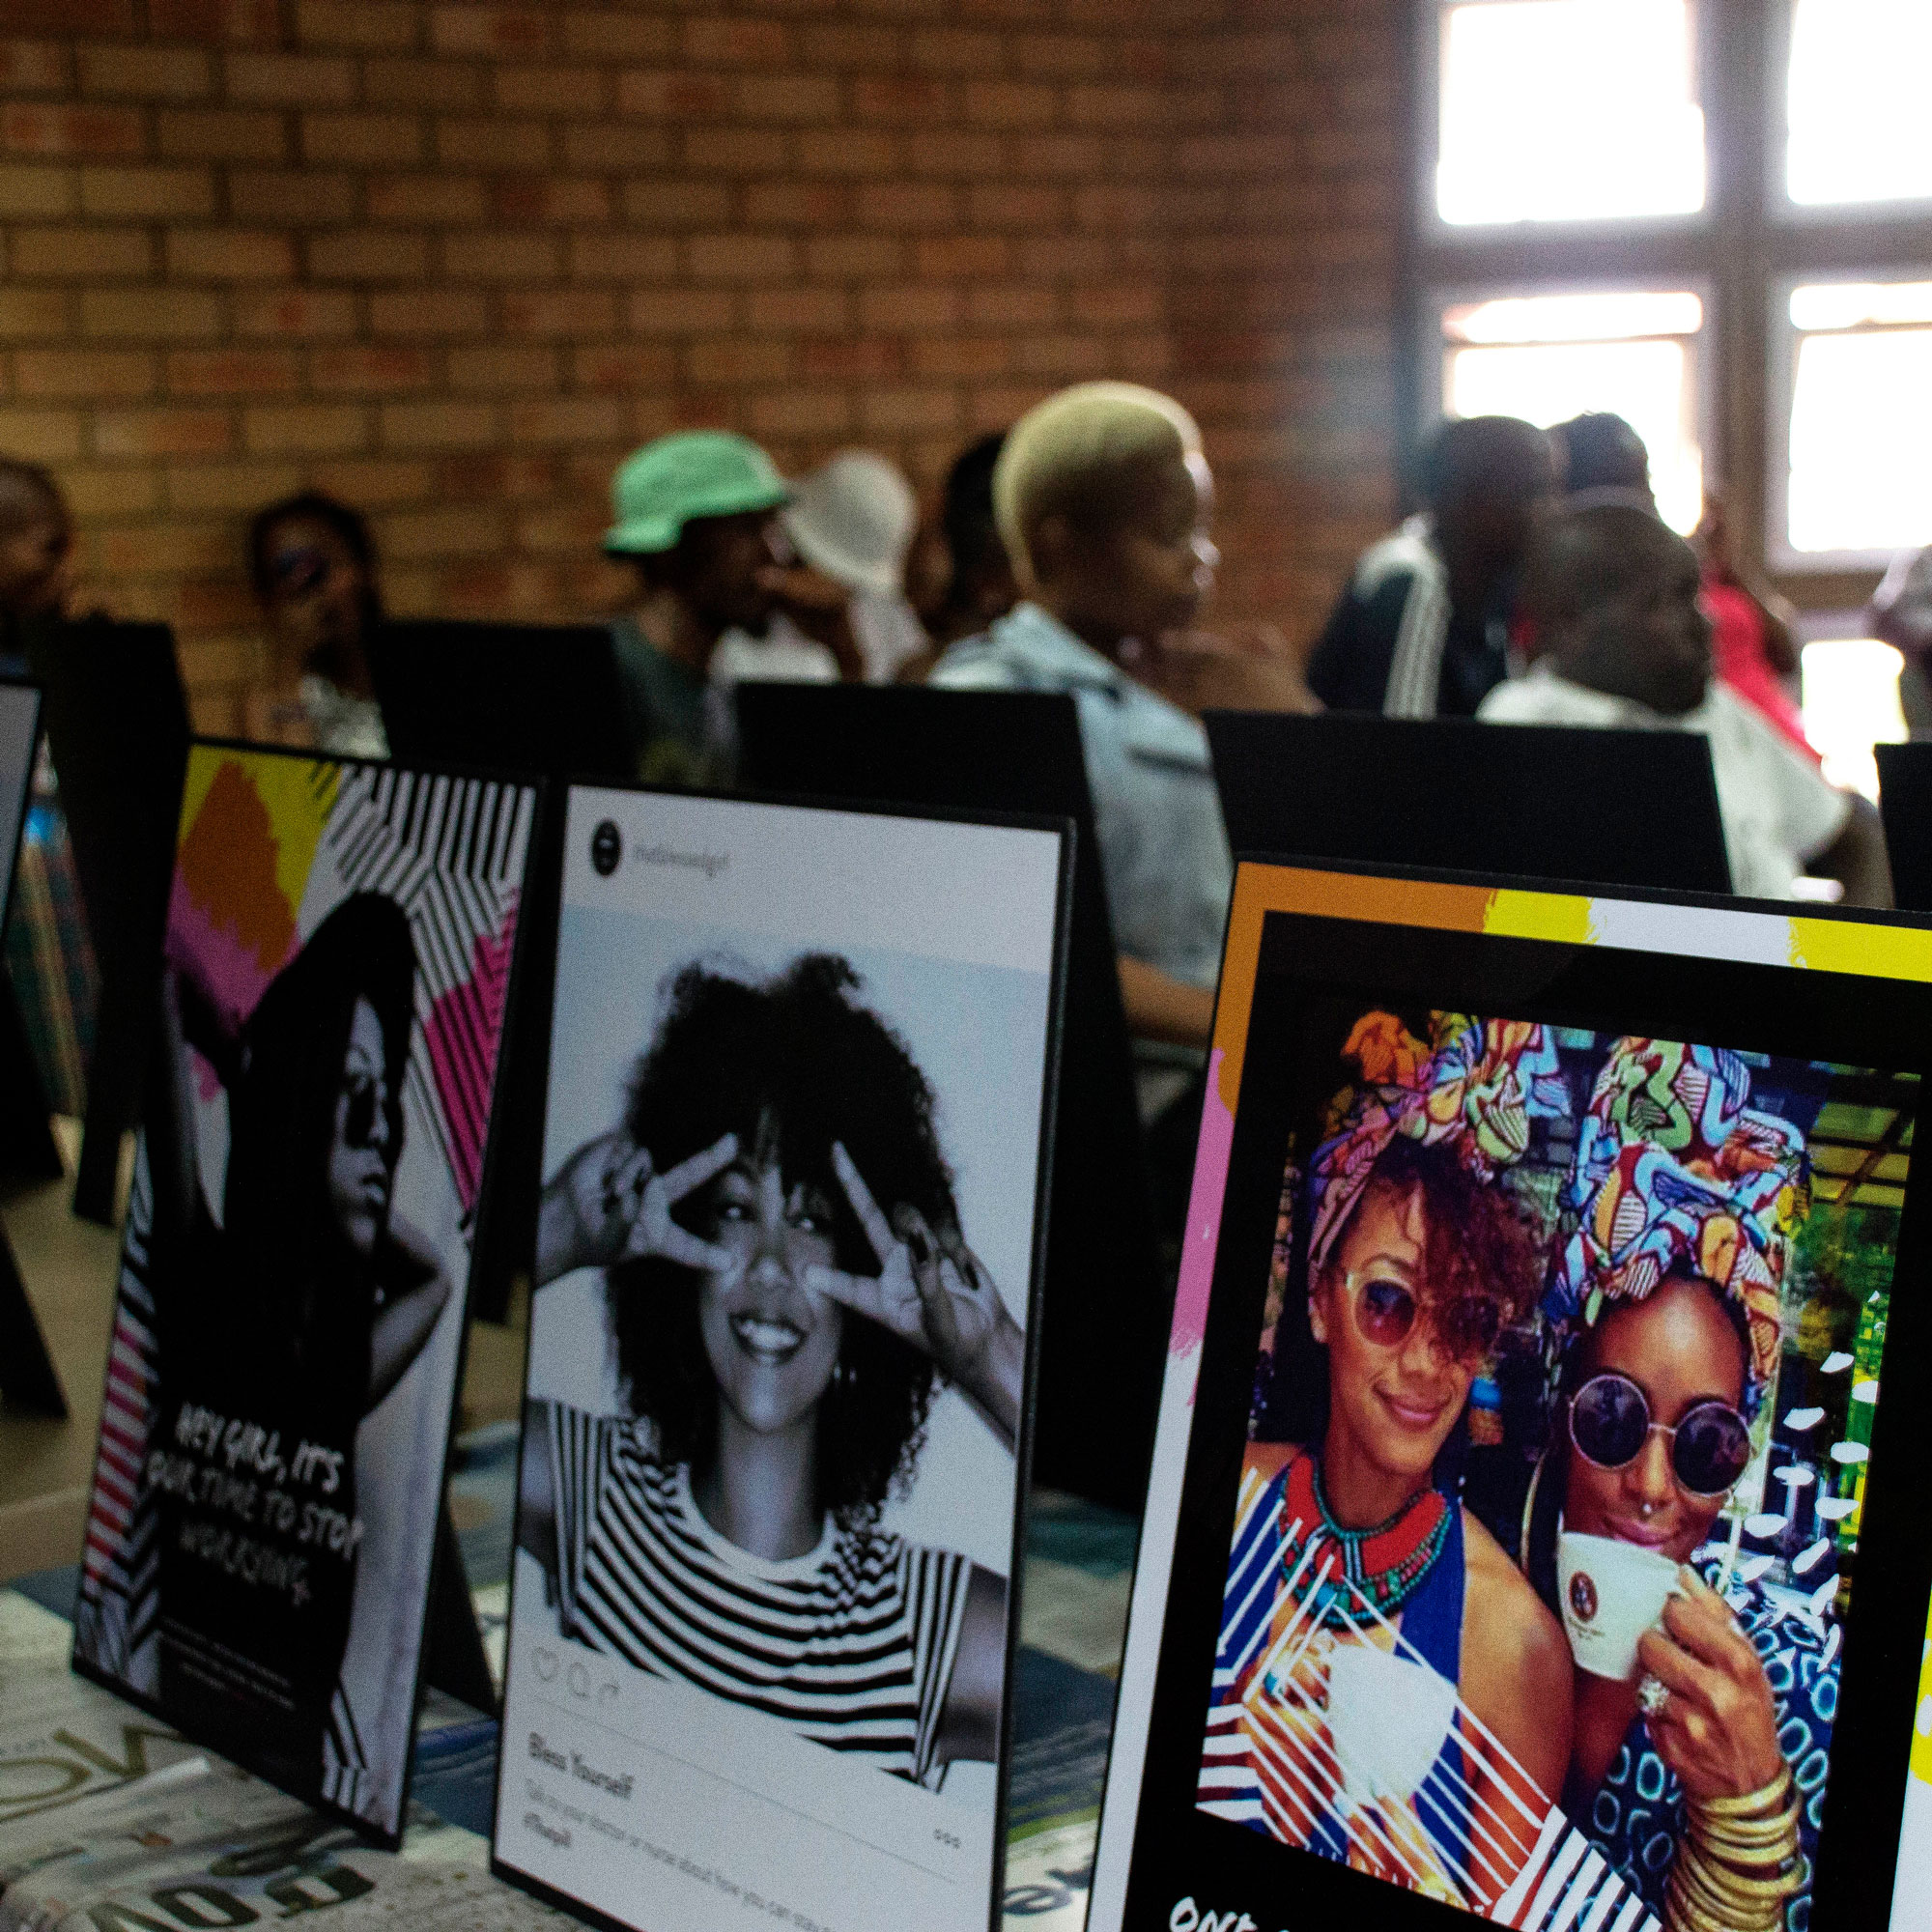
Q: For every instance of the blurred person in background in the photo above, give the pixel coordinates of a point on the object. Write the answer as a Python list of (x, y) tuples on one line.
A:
[(1900, 613), (851, 520), (958, 575), (49, 957), (312, 562), (1603, 459), (1751, 643), (1424, 628), (1615, 596), (695, 515)]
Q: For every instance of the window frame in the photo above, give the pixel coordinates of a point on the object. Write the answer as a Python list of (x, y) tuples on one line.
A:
[(1749, 236)]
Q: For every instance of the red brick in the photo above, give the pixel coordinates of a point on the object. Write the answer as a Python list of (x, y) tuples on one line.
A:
[(236, 23), (431, 198), (363, 140), (675, 311), (802, 413), (962, 255), (851, 151), (623, 151), (669, 94), (230, 255), (796, 204), (902, 101), (957, 50), (552, 199), (893, 409), (1062, 156), (489, 30), (834, 258), (233, 372), (83, 374), (374, 483), (1065, 358), (150, 315), (38, 191), (313, 429), (158, 193), (365, 25), (677, 204), (1011, 104), (33, 67), (438, 425), (429, 312), (1011, 305), (909, 305), (736, 42), (477, 531), (81, 254), (862, 49), (70, 130), (820, 310), (1030, 207), (622, 258), (368, 255), (559, 312), (499, 256), (1064, 56), (313, 315), (789, 96), (908, 204), (35, 314), (863, 360), (1112, 304), (145, 73), (617, 36), (421, 83), (368, 371), (965, 358), (1134, 108), (522, 145), (154, 433), (221, 134), (567, 420), (230, 486), (151, 547), (624, 367), (737, 150), (961, 153), (500, 480), (742, 257), (40, 436), (291, 80), (500, 368), (576, 91), (739, 358)]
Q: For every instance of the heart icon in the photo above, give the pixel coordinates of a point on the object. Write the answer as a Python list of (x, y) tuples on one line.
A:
[(546, 1662), (607, 1694)]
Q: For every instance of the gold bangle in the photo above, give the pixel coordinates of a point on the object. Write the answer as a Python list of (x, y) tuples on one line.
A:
[(1769, 1798), (1691, 1887), (1726, 1882)]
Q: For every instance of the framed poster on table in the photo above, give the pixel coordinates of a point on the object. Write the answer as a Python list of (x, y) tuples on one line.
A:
[(777, 1422), (289, 1322), (1528, 1539)]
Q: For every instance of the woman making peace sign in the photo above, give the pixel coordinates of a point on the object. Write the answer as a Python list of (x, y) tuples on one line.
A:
[(786, 1281)]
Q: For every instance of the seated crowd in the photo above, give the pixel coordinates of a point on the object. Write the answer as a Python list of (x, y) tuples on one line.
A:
[(1073, 554)]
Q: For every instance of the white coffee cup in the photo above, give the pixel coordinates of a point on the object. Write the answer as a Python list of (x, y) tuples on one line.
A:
[(1387, 1719), (1611, 1593)]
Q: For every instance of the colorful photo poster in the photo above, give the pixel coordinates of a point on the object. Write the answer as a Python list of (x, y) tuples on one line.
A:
[(19, 734), (289, 1322), (777, 1405), (1528, 1534)]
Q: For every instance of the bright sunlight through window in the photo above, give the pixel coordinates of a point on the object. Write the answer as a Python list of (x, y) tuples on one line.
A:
[(1860, 418), (1569, 110), (1851, 703), (1856, 102), (1549, 358)]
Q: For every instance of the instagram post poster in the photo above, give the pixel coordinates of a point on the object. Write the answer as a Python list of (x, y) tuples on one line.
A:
[(762, 1616), (288, 1318), (1527, 1560)]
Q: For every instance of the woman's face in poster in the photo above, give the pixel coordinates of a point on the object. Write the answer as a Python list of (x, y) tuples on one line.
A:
[(1398, 1402), (771, 1342), (1680, 1349), (360, 1178)]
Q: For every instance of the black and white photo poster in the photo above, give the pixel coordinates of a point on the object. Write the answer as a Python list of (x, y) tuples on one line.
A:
[(288, 1325), (776, 1391)]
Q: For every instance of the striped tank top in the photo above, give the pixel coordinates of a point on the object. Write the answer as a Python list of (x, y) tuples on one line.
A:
[(851, 1645)]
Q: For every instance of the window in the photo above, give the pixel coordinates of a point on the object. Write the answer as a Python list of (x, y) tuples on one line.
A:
[(1551, 357), (1568, 110), (1851, 702), (1857, 487), (1856, 103), (1715, 218)]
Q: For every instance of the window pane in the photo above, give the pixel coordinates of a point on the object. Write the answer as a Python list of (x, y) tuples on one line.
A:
[(1522, 356), (1851, 703), (1860, 424), (1569, 110), (1856, 102)]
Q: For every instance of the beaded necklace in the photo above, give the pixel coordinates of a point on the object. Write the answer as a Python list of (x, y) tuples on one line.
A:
[(1385, 1564)]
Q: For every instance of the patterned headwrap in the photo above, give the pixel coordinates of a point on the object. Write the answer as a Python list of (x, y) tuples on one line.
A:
[(1675, 1173), (1474, 1092)]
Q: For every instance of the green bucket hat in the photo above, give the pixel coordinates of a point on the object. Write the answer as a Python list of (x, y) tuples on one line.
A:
[(701, 472)]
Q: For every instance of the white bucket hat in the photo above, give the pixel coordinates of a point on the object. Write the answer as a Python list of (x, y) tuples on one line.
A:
[(853, 518)]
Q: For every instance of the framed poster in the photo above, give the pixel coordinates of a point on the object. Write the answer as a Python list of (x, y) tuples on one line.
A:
[(1528, 1540), (777, 1420), (19, 740), (289, 1323)]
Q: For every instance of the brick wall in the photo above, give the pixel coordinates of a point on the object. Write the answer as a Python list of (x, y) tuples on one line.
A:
[(452, 261)]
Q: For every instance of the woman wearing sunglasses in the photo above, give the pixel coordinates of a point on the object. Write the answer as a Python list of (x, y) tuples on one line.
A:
[(1351, 1534), (1696, 1779)]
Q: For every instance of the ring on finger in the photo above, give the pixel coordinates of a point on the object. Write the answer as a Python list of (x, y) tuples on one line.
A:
[(1652, 1694)]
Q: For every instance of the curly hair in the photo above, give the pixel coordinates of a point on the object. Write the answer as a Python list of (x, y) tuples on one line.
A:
[(799, 1057)]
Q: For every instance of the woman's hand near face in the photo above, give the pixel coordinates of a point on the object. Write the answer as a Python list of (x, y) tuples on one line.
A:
[(932, 1290), (608, 1204), (1718, 1729)]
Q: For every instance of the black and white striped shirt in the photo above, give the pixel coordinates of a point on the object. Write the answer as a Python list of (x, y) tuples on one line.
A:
[(851, 1645)]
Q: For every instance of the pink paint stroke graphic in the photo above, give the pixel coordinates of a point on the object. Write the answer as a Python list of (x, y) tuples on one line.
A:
[(1203, 1218), (464, 1033), (226, 970)]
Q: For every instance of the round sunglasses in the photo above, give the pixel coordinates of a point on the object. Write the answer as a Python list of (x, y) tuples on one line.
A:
[(1610, 1422), (1386, 1313)]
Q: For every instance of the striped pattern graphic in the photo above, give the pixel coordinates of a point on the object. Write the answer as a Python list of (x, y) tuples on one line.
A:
[(851, 1645), (1270, 1761)]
